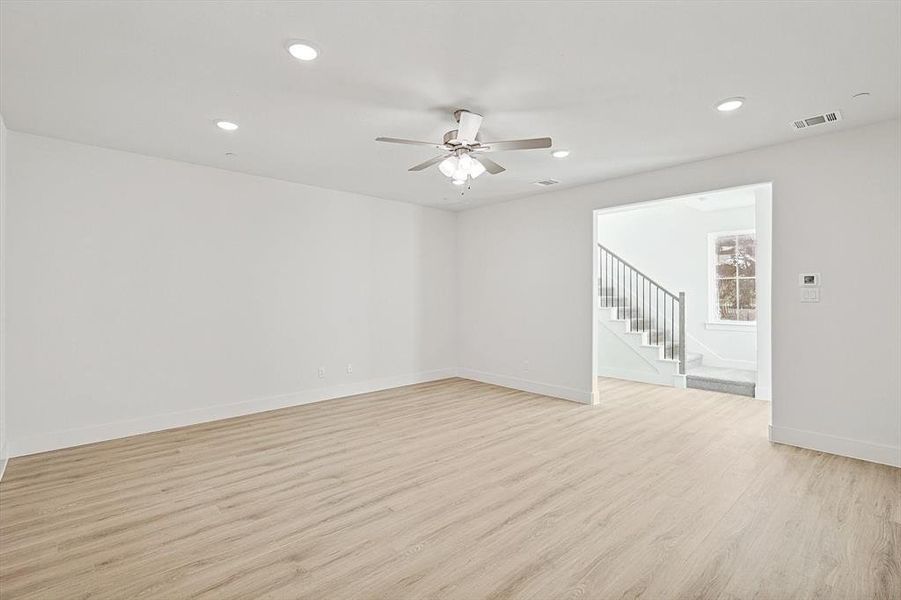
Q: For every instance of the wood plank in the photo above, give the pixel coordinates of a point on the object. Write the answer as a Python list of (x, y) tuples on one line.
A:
[(456, 489)]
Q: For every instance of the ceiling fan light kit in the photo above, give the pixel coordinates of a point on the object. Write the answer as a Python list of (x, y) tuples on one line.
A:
[(464, 152)]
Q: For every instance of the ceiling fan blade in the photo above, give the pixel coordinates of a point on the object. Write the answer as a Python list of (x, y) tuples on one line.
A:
[(530, 144), (490, 166), (411, 142), (468, 126), (428, 163)]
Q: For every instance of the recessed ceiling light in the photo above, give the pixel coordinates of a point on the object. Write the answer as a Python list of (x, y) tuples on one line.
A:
[(730, 104), (226, 125), (302, 50), (459, 181), (560, 153)]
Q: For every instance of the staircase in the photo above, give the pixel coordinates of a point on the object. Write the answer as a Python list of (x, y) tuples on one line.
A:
[(647, 317), (647, 321)]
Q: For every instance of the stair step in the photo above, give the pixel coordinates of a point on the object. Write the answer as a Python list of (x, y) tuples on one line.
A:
[(740, 388)]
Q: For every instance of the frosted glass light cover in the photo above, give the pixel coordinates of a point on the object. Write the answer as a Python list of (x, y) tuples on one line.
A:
[(448, 166)]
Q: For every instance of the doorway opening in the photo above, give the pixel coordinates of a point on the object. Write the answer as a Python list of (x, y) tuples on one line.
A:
[(682, 291)]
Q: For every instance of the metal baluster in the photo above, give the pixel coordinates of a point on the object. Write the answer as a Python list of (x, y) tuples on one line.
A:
[(612, 281), (672, 338), (630, 300), (664, 326), (603, 275)]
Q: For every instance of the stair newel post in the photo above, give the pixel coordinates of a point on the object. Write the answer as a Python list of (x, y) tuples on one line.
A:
[(682, 333)]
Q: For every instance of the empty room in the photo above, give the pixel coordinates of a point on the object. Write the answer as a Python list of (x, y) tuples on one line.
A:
[(450, 300)]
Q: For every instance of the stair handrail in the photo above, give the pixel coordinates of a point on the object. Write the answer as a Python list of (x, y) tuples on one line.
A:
[(639, 271), (675, 298)]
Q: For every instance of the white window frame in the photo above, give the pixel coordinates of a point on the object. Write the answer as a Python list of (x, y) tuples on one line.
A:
[(713, 319)]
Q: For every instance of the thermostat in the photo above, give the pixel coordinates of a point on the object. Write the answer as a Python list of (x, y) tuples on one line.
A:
[(809, 279)]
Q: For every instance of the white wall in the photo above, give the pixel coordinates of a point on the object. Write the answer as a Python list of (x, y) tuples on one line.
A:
[(145, 293), (4, 443), (526, 296), (669, 242)]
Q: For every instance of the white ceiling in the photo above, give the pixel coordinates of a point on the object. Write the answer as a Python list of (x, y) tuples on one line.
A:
[(723, 200), (626, 87)]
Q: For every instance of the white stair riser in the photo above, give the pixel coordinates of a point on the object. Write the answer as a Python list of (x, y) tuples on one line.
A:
[(667, 368)]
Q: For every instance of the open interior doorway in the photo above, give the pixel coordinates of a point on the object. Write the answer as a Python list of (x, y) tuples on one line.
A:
[(683, 291)]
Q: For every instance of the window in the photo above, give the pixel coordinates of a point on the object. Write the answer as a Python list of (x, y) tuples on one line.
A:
[(733, 283)]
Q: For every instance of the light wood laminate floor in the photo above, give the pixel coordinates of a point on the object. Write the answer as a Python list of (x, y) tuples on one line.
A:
[(456, 489)]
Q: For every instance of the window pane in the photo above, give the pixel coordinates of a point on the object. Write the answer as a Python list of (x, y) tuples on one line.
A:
[(747, 300), (725, 256), (727, 302), (746, 257)]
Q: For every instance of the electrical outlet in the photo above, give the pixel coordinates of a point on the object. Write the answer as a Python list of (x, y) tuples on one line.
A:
[(321, 372), (525, 366), (350, 368)]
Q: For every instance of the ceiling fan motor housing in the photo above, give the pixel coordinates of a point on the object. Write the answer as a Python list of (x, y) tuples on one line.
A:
[(451, 139)]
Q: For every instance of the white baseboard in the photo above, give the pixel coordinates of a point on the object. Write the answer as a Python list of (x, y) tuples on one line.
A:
[(3, 462), (109, 431), (642, 376), (877, 453), (763, 393), (536, 387)]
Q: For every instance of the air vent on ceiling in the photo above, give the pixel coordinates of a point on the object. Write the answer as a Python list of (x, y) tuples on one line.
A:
[(830, 117), (547, 182)]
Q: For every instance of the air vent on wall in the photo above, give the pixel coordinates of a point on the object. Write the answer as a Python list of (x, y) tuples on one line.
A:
[(830, 117), (547, 182)]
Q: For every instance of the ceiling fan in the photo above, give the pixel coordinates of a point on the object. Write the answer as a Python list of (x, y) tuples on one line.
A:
[(464, 153)]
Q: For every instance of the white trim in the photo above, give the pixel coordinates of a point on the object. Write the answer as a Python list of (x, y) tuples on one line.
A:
[(742, 326), (536, 387), (3, 462), (763, 393), (642, 376), (109, 431), (822, 442)]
